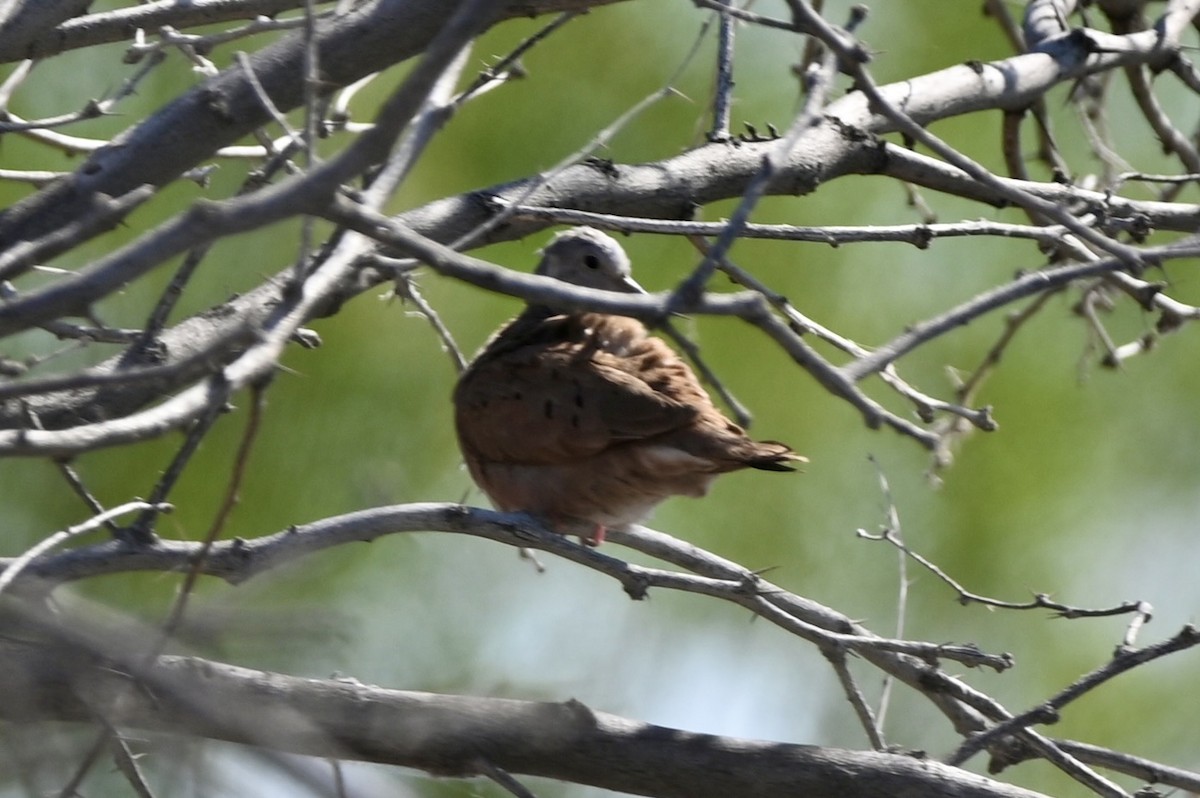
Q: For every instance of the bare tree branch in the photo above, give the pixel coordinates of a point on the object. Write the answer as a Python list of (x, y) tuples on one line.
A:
[(448, 735)]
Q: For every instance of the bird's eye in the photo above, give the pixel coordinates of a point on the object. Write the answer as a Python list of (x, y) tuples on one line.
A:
[(591, 261)]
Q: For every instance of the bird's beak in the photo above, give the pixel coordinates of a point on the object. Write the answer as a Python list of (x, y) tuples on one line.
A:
[(631, 286)]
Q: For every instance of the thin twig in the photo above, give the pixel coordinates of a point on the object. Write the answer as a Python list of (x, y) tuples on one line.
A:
[(953, 429), (125, 760), (510, 65), (741, 413), (142, 530), (871, 725), (817, 84), (801, 324), (92, 110), (919, 235), (723, 92), (221, 518), (406, 288), (312, 85), (598, 142), (90, 758), (339, 778), (14, 567), (503, 778), (1038, 602), (1048, 711), (73, 479), (1136, 767), (892, 524)]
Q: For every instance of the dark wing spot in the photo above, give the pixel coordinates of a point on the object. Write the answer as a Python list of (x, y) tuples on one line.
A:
[(575, 420), (548, 409)]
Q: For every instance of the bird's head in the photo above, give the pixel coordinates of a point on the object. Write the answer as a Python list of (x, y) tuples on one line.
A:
[(586, 257)]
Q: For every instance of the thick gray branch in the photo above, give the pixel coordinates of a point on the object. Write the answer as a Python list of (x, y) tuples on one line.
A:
[(24, 22), (451, 735)]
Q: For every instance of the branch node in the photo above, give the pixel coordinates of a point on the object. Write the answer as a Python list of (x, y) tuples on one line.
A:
[(636, 585)]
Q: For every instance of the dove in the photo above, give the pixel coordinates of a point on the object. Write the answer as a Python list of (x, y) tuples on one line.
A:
[(586, 420)]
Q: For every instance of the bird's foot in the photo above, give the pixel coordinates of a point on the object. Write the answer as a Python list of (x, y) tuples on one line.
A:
[(595, 538)]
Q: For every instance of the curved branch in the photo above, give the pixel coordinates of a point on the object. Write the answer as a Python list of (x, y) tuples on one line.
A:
[(240, 559)]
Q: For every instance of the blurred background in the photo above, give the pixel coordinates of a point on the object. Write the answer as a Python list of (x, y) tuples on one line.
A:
[(1087, 492)]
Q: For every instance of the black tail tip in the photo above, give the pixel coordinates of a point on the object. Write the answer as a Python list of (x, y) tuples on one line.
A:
[(777, 460)]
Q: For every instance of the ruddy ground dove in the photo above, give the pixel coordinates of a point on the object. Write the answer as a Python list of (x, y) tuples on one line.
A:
[(586, 420)]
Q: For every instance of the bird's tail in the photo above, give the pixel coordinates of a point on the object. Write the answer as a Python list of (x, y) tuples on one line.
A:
[(773, 456)]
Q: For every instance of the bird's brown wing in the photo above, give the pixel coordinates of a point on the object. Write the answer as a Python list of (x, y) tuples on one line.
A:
[(558, 403)]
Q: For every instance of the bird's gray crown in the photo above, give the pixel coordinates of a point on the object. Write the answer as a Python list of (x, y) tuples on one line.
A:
[(584, 256)]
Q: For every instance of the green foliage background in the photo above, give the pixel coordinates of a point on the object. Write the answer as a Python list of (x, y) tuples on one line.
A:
[(1088, 491)]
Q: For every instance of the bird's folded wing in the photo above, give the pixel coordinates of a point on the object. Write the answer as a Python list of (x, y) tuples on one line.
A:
[(558, 406)]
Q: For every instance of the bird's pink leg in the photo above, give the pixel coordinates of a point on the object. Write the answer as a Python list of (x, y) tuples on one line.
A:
[(574, 526), (597, 536)]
